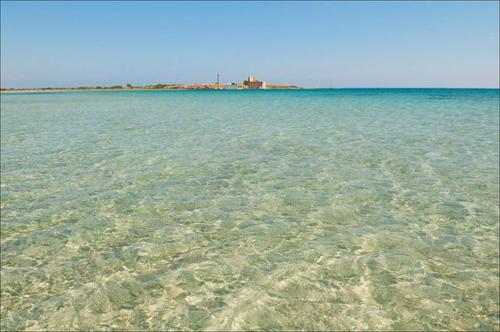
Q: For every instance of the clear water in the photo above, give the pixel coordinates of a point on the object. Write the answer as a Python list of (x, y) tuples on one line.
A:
[(313, 209)]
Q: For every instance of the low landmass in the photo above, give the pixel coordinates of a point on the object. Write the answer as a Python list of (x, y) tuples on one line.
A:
[(249, 84)]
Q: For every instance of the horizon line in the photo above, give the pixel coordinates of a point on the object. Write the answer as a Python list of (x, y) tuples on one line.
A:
[(296, 87)]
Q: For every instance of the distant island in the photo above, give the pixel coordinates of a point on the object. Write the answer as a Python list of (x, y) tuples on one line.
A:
[(251, 83)]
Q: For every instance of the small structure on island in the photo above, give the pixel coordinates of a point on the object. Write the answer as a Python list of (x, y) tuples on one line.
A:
[(233, 86), (217, 85), (253, 83)]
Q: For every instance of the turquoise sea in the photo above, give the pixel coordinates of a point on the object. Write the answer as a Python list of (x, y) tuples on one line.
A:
[(369, 209)]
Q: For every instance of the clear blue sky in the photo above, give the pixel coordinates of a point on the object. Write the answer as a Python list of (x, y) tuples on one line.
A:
[(313, 44)]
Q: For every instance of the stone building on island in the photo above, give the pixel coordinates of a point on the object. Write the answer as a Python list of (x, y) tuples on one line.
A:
[(253, 83)]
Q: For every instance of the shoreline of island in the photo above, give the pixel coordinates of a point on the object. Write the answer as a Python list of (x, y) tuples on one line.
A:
[(42, 90), (281, 87)]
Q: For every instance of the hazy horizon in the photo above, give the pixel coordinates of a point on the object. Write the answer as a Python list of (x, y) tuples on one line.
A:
[(312, 45)]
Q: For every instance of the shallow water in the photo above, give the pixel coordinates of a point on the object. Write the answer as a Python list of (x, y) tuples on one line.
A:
[(308, 209)]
